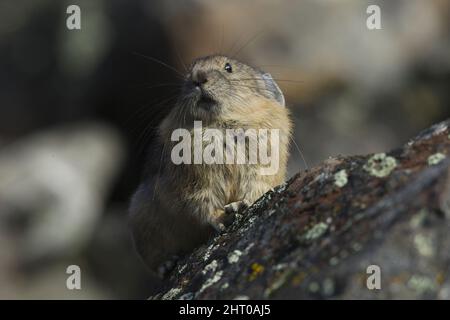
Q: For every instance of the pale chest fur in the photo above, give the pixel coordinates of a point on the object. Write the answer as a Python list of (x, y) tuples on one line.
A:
[(224, 180), (206, 186)]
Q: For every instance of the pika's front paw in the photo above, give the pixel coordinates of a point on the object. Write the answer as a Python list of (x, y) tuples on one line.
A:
[(224, 218), (236, 207)]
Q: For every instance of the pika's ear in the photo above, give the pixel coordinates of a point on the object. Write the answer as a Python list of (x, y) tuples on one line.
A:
[(272, 86)]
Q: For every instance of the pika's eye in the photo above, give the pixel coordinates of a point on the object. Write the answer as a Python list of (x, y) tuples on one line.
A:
[(228, 68)]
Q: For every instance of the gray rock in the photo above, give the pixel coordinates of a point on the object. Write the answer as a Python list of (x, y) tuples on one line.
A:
[(315, 238)]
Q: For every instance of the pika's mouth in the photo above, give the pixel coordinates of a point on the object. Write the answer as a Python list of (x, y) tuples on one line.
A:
[(205, 100)]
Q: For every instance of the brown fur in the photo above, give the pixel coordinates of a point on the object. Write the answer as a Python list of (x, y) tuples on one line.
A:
[(180, 207)]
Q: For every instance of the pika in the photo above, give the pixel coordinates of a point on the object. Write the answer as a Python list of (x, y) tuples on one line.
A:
[(178, 207)]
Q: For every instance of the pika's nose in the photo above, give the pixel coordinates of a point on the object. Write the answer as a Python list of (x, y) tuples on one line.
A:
[(199, 78)]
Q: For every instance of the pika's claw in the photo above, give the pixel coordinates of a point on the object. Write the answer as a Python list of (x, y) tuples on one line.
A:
[(236, 207), (221, 220), (230, 211), (224, 218)]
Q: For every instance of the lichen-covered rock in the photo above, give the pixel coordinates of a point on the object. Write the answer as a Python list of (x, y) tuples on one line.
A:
[(315, 236)]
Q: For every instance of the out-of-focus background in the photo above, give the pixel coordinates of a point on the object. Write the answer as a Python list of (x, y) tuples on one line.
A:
[(78, 108)]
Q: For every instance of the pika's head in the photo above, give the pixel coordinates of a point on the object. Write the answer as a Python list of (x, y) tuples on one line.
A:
[(217, 83)]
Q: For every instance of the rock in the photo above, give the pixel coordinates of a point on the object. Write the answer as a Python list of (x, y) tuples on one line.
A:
[(316, 235), (53, 187)]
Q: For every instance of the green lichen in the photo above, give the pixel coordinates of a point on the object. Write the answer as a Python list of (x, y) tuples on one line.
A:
[(210, 267), (182, 268), (341, 178), (314, 287), (277, 283), (435, 158), (328, 287), (172, 293), (209, 282), (247, 249), (421, 284), (209, 251), (380, 165), (424, 245), (234, 256), (280, 266), (316, 231), (187, 296), (334, 261)]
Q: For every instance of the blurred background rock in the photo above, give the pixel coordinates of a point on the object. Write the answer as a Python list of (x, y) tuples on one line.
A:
[(78, 108)]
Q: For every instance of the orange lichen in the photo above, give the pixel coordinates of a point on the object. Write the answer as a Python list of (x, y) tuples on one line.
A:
[(256, 270)]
